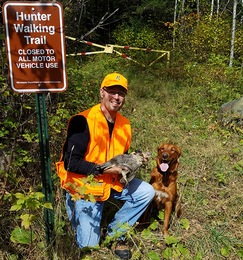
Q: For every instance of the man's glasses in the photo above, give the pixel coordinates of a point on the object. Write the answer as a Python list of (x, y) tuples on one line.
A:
[(114, 92)]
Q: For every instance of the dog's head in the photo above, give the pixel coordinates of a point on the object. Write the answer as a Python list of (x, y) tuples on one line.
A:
[(168, 157)]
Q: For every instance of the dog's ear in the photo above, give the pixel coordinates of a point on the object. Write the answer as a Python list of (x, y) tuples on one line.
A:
[(160, 146), (178, 150)]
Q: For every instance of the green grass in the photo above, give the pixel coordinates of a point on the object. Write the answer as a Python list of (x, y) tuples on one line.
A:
[(162, 108)]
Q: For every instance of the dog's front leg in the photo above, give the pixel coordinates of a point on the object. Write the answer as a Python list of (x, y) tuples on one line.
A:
[(167, 212)]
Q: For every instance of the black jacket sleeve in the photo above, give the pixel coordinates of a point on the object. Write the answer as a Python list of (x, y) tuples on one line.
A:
[(75, 147)]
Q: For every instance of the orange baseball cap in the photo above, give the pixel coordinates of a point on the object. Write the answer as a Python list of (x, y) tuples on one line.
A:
[(114, 79)]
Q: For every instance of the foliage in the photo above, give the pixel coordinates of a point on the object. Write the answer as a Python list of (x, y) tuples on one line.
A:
[(197, 39), (30, 204), (81, 190), (19, 235), (33, 201)]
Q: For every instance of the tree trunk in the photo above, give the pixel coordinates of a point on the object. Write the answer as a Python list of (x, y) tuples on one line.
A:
[(182, 7), (211, 13), (233, 34), (217, 19), (174, 30), (198, 10), (217, 10)]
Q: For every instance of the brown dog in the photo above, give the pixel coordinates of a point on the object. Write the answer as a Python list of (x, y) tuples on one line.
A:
[(163, 179)]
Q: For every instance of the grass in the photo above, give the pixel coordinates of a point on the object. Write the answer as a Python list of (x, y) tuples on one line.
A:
[(162, 109)]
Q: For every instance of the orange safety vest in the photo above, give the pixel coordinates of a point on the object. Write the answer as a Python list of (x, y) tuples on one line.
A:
[(101, 148)]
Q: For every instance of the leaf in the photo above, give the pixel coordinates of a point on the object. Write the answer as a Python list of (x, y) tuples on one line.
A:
[(39, 195), (191, 182), (92, 198), (16, 207), (185, 223), (94, 183), (21, 201), (6, 93), (41, 245), (19, 195), (240, 254), (167, 253), (146, 233), (205, 201), (184, 251), (238, 167), (22, 236), (75, 198), (85, 180), (176, 252), (240, 163), (123, 226), (198, 256), (225, 251), (13, 257), (154, 225), (153, 256), (81, 190), (161, 215), (171, 240), (27, 220), (47, 205), (71, 185), (33, 204)]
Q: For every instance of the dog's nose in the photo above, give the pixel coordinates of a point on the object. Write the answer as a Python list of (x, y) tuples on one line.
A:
[(165, 156)]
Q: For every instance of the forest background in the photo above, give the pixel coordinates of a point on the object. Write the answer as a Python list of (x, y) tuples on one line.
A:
[(176, 102)]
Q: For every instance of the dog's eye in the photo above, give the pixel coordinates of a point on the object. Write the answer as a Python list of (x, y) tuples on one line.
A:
[(172, 149)]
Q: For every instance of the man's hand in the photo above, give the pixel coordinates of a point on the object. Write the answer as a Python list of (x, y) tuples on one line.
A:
[(114, 170)]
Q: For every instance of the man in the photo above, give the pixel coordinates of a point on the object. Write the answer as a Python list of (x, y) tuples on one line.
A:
[(94, 137)]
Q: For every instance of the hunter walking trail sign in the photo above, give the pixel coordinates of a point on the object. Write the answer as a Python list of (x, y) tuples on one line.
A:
[(35, 46)]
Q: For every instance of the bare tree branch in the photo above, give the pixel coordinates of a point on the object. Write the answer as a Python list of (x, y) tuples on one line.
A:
[(3, 89), (81, 12), (67, 4), (102, 20)]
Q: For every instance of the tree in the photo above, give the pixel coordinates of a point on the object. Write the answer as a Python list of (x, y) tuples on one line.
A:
[(198, 10), (233, 33), (211, 13), (174, 29)]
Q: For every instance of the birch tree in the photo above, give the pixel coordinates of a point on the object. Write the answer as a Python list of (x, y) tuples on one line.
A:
[(211, 13), (217, 12), (182, 7), (198, 10), (233, 34), (217, 19), (174, 30)]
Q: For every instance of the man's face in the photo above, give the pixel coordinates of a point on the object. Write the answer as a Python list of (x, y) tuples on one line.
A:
[(113, 97)]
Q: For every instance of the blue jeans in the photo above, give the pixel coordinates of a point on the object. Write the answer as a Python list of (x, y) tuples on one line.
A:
[(86, 217)]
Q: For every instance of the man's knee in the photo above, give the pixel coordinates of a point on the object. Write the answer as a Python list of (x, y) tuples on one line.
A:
[(148, 191), (151, 191)]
